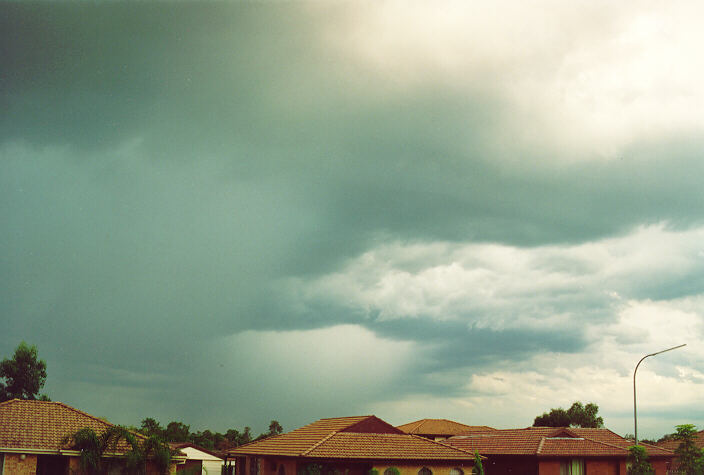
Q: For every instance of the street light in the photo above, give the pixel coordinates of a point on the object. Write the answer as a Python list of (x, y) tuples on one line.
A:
[(635, 413)]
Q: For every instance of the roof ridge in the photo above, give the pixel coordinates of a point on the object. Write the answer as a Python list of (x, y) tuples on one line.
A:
[(16, 399), (422, 421), (605, 443), (98, 419), (458, 423), (343, 417), (440, 443), (656, 447), (309, 449), (9, 401), (564, 430), (83, 413), (59, 403), (540, 445)]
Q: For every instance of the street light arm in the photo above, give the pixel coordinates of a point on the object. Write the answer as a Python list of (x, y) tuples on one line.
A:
[(663, 351), (635, 413)]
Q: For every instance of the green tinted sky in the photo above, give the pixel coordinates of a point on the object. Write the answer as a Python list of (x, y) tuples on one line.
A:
[(226, 213)]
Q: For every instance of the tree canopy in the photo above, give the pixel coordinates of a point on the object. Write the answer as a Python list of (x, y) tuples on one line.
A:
[(24, 374), (691, 459), (637, 461), (151, 427), (578, 415), (274, 429), (179, 432)]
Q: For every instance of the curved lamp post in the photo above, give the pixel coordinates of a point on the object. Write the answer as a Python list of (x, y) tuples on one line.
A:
[(635, 413)]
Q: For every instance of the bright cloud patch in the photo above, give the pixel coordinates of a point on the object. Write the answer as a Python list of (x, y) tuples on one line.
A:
[(498, 286), (591, 77), (598, 291)]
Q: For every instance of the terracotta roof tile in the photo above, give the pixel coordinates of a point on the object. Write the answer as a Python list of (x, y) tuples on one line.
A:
[(42, 425), (673, 444), (298, 441), (385, 446), (352, 437), (549, 441), (440, 427), (497, 444)]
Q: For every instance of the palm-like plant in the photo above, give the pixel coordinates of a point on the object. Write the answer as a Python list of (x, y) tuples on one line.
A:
[(93, 447)]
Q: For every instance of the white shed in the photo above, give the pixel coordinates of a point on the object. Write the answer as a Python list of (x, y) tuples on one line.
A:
[(198, 458)]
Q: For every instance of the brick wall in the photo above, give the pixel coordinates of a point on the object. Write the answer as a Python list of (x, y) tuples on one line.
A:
[(660, 466), (436, 469), (16, 466), (601, 467), (549, 467)]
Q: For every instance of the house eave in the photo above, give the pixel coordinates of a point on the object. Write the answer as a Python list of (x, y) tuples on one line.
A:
[(28, 450)]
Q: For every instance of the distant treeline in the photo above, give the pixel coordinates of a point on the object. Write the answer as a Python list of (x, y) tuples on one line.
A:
[(180, 432)]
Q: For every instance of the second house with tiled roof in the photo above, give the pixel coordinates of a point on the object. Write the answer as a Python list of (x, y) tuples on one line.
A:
[(556, 451), (350, 446), (440, 429)]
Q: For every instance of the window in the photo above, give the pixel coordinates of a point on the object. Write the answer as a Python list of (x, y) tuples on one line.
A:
[(282, 469), (572, 467), (254, 466), (427, 471), (456, 471)]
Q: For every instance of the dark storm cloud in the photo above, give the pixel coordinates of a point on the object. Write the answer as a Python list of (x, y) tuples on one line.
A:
[(246, 84), (164, 168)]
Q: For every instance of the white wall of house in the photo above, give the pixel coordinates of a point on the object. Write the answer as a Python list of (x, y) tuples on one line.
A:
[(211, 464)]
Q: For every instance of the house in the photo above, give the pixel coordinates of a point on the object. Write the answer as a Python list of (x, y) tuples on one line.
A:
[(350, 446), (556, 451), (673, 444), (199, 460), (33, 438), (440, 429)]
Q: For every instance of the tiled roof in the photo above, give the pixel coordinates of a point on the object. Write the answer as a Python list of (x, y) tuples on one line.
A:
[(365, 437), (550, 442), (42, 425), (440, 427), (673, 444), (301, 439), (385, 446)]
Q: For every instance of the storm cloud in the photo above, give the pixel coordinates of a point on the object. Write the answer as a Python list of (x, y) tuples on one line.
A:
[(224, 213)]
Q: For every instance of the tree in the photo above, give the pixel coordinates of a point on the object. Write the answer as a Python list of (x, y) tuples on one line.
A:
[(236, 438), (246, 436), (92, 447), (151, 427), (691, 459), (637, 461), (577, 415), (207, 439), (585, 416), (177, 432), (24, 374), (478, 467), (274, 429), (555, 418)]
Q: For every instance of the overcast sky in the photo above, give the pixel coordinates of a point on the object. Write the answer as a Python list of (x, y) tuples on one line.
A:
[(227, 213)]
